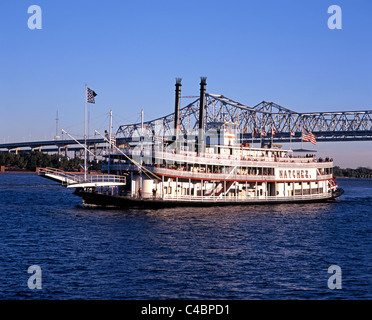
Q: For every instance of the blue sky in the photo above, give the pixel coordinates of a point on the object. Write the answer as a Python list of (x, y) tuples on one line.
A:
[(130, 52)]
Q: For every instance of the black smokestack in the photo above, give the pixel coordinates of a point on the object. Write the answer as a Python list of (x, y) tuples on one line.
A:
[(177, 104), (203, 84)]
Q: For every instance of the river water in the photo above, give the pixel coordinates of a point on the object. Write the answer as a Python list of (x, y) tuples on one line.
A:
[(237, 252)]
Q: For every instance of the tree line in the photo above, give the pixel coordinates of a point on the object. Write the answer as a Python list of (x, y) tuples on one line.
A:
[(360, 172), (34, 159)]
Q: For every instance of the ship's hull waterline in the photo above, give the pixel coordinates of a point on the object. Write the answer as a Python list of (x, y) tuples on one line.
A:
[(103, 200)]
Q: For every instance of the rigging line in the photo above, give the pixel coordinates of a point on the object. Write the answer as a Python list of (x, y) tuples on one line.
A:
[(135, 162), (104, 122), (64, 131)]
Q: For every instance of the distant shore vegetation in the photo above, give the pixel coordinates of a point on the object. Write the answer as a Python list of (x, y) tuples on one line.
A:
[(360, 172), (32, 160)]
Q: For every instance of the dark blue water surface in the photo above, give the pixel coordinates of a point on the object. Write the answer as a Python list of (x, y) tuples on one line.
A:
[(240, 252)]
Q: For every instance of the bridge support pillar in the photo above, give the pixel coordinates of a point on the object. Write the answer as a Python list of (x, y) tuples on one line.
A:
[(66, 151), (15, 150)]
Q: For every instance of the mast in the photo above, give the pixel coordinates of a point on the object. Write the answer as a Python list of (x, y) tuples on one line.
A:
[(57, 136), (88, 121), (110, 132), (141, 154), (142, 122), (85, 135)]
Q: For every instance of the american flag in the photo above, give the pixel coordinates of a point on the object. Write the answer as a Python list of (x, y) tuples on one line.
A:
[(292, 133), (90, 96), (273, 131), (308, 136), (263, 133)]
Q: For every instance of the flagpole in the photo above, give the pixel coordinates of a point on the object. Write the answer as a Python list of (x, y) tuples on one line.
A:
[(88, 120), (85, 135)]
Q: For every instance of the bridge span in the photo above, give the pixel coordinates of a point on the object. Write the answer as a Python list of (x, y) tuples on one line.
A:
[(252, 123), (96, 145)]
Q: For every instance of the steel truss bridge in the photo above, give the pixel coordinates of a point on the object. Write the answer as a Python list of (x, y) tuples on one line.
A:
[(265, 116)]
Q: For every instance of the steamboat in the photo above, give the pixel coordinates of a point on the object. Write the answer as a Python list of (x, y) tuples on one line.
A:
[(209, 167)]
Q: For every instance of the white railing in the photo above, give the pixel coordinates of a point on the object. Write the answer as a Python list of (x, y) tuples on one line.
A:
[(60, 175), (99, 178), (210, 176), (230, 160), (70, 178), (245, 199)]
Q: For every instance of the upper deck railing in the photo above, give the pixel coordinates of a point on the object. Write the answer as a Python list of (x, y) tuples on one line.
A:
[(189, 157), (202, 175)]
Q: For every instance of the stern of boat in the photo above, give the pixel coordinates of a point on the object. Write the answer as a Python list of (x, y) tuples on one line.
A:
[(336, 190)]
